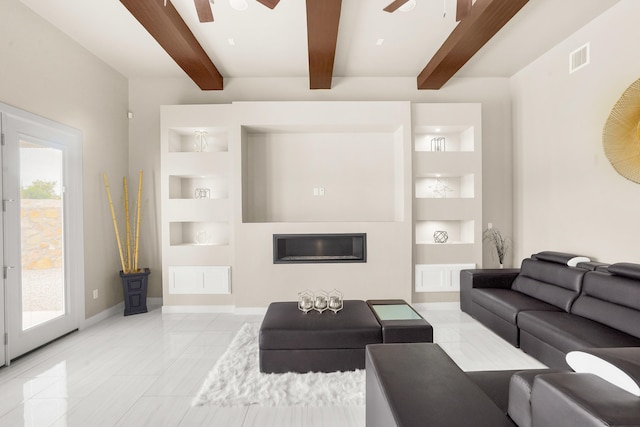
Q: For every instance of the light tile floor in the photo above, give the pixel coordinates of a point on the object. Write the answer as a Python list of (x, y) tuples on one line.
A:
[(143, 370)]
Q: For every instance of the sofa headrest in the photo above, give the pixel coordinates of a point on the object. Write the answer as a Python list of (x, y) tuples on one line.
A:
[(625, 269), (560, 258), (593, 266)]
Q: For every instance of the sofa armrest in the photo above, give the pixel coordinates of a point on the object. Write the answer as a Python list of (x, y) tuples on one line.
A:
[(484, 278), (580, 400), (620, 366)]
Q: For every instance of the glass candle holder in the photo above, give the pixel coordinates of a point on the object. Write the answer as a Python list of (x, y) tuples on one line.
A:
[(336, 301), (305, 301), (321, 301)]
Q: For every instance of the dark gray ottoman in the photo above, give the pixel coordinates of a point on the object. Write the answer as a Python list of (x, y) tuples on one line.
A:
[(291, 341)]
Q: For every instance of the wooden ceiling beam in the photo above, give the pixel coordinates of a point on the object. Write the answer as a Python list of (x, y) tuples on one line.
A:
[(165, 24), (486, 18), (323, 19), (203, 7), (269, 3), (463, 9)]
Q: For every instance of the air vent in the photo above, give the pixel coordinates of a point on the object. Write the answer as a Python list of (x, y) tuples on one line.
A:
[(579, 58)]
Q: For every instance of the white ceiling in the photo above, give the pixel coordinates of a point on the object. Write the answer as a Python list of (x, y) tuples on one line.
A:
[(273, 43)]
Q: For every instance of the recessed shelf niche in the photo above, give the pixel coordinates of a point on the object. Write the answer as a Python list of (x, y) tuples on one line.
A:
[(445, 186), (311, 174), (184, 140), (444, 139), (458, 231), (198, 187), (198, 233)]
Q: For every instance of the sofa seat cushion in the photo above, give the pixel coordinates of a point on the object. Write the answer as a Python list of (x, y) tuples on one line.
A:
[(507, 304), (568, 332)]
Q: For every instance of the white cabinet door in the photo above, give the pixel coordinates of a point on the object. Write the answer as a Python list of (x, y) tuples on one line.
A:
[(439, 277), (200, 280)]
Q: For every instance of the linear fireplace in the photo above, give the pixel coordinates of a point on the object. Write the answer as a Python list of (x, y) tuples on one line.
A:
[(319, 248)]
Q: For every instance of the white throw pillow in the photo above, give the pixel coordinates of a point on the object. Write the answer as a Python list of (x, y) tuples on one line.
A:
[(573, 262), (581, 361)]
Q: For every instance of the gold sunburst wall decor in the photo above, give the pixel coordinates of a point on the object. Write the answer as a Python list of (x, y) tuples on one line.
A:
[(621, 134)]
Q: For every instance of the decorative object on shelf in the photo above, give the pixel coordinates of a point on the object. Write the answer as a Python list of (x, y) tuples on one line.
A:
[(439, 144), (200, 144), (202, 237), (336, 301), (321, 301), (440, 189), (621, 134), (305, 301), (134, 279), (500, 243), (202, 193), (440, 236)]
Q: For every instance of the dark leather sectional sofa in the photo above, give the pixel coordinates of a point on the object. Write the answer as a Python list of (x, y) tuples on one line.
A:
[(549, 309)]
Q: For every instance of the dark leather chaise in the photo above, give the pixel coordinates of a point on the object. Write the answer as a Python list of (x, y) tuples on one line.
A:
[(416, 385)]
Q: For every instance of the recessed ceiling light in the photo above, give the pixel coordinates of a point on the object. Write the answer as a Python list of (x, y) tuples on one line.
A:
[(380, 42), (437, 129), (408, 6), (239, 5), (231, 41)]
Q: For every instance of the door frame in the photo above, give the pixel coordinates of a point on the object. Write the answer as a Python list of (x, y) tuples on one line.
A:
[(70, 140)]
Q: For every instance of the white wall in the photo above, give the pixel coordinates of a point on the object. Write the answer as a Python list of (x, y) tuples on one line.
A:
[(567, 195), (354, 169), (45, 72)]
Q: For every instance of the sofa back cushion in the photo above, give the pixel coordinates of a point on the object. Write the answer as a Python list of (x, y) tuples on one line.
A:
[(612, 300), (553, 283)]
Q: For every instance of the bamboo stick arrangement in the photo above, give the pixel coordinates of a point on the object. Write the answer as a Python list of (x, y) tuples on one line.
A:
[(129, 257)]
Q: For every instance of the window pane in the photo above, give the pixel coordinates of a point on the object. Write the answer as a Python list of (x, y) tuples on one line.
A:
[(41, 226)]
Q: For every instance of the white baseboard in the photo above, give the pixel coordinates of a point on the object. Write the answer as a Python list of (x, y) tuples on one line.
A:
[(105, 314), (250, 310), (156, 301), (198, 309), (115, 310)]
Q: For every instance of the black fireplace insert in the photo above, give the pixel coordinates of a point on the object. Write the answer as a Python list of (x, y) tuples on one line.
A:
[(319, 248)]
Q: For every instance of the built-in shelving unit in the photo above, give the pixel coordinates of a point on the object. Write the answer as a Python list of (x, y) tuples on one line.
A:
[(234, 175), (197, 233), (447, 204)]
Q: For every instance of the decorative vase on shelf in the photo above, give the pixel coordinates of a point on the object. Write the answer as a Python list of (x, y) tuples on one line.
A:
[(440, 236)]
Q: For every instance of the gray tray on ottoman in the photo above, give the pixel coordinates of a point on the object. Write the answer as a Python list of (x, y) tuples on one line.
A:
[(291, 341), (399, 321)]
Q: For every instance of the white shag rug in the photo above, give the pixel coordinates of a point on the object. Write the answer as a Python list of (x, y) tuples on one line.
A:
[(236, 380)]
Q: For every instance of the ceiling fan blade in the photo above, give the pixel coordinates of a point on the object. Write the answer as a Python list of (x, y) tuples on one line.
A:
[(269, 3), (394, 5), (463, 9), (203, 7)]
